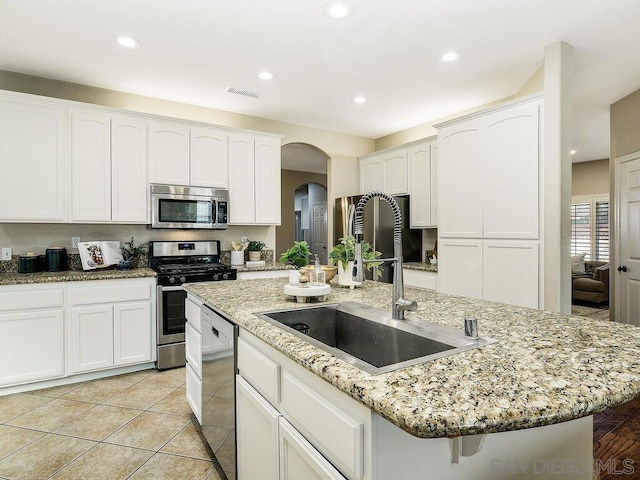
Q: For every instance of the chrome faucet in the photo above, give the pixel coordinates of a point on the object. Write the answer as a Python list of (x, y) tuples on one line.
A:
[(399, 304)]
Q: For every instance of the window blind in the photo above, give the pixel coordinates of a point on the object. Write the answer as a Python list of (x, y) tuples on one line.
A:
[(590, 229)]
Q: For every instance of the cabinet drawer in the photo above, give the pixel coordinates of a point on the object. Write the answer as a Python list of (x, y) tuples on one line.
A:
[(118, 291), (23, 298), (330, 429), (194, 392), (193, 343), (262, 372), (192, 312)]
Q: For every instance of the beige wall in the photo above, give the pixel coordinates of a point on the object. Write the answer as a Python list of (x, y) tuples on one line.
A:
[(590, 178), (342, 149), (291, 180), (534, 84), (624, 123)]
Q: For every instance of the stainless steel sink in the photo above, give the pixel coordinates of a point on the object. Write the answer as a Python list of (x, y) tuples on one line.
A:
[(369, 338)]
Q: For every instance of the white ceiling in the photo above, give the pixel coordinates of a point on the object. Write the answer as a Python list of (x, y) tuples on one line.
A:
[(387, 51)]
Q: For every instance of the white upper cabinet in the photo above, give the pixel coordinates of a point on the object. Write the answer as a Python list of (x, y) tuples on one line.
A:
[(32, 161), (209, 158), (90, 166), (267, 180), (129, 192), (395, 173), (371, 174), (254, 180), (108, 168), (423, 180), (386, 171), (168, 153)]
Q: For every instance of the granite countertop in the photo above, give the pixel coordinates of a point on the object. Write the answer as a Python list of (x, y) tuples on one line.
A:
[(422, 266), (268, 267), (13, 278), (546, 368)]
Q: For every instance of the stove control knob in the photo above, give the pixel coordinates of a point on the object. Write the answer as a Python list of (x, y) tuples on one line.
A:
[(216, 276), (225, 276), (183, 279), (172, 279)]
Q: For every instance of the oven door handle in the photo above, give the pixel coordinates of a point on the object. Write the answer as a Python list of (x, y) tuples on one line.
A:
[(169, 289)]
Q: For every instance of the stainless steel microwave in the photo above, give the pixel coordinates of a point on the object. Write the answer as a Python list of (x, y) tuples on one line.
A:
[(177, 206)]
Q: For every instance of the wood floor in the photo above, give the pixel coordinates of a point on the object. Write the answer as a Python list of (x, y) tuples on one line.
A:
[(616, 442)]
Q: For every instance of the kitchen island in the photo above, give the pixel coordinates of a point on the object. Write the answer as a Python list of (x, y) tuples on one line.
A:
[(546, 369)]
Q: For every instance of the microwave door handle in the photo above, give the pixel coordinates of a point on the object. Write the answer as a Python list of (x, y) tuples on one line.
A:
[(213, 212)]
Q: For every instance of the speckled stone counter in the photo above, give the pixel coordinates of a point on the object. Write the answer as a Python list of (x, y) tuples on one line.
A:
[(422, 266), (547, 368), (73, 276), (269, 267)]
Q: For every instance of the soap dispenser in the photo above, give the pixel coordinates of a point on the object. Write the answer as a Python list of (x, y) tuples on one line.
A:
[(317, 274)]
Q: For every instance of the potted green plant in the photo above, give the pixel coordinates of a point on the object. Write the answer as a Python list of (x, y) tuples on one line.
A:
[(343, 255), (255, 250), (131, 254), (298, 256)]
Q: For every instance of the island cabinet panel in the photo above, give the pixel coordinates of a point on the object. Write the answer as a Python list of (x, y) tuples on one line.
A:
[(32, 149), (258, 453), (299, 460), (168, 153), (335, 429), (209, 158)]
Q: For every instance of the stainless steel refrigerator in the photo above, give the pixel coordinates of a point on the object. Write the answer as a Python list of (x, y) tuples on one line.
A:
[(378, 230)]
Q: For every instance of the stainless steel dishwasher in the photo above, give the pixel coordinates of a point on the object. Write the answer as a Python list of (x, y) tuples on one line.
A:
[(219, 366)]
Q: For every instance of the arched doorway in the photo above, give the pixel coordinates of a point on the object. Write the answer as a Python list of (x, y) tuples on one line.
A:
[(303, 170)]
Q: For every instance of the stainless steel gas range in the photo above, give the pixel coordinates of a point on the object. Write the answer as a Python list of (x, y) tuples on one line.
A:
[(177, 263)]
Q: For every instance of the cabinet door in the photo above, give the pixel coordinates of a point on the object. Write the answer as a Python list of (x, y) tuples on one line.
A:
[(371, 174), (168, 153), (433, 203), (267, 181), (209, 158), (193, 348), (420, 185), (394, 173), (256, 434), (90, 166), (91, 342), (298, 458), (460, 267), (132, 326), (32, 346), (241, 179), (129, 191), (510, 272), (32, 162), (194, 392), (510, 173), (460, 180)]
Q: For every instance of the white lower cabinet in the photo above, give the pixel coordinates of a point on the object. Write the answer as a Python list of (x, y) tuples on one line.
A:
[(293, 425), (300, 460), (257, 434), (420, 279), (111, 324), (32, 329)]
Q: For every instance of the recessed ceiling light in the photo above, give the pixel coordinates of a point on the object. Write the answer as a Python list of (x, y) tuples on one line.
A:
[(572, 152), (338, 9), (449, 57), (128, 42), (266, 75), (359, 99)]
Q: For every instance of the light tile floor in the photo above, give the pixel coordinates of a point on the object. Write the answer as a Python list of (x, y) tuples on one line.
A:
[(136, 426)]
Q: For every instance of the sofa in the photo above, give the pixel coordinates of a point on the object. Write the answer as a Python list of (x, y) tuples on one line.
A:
[(593, 284)]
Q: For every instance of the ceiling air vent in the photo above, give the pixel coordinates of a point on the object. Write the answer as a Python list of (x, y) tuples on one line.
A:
[(242, 91)]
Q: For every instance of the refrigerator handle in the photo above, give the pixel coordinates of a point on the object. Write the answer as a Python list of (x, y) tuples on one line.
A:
[(351, 212)]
